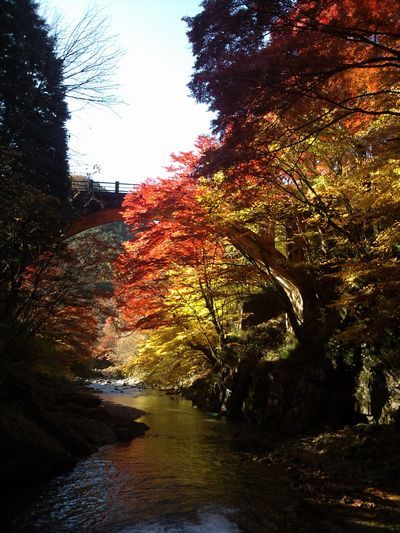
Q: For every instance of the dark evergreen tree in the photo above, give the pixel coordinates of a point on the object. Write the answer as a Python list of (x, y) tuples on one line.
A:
[(33, 111), (34, 179)]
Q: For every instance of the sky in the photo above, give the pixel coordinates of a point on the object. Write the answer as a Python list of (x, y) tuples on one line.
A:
[(134, 140)]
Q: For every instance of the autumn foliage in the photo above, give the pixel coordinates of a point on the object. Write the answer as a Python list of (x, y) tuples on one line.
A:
[(299, 191), (174, 271)]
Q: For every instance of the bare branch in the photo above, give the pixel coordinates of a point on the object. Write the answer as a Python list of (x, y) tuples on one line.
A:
[(90, 55)]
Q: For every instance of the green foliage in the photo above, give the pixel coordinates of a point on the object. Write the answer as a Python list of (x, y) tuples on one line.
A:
[(286, 350)]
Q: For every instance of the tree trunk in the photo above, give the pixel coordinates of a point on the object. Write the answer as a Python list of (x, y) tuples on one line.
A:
[(290, 281)]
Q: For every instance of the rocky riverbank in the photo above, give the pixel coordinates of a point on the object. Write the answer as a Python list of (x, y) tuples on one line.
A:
[(288, 396), (349, 478), (47, 425)]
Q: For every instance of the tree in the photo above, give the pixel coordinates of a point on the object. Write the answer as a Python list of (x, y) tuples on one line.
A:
[(64, 298), (164, 358), (89, 56), (307, 102), (286, 74), (34, 187), (33, 111), (177, 270), (51, 295), (30, 223), (338, 59)]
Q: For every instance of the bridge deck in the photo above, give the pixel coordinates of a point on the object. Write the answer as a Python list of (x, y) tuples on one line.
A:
[(110, 187)]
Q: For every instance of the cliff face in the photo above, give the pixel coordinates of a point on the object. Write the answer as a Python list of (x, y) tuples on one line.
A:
[(299, 393)]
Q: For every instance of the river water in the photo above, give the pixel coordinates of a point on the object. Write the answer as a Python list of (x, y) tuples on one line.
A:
[(191, 472)]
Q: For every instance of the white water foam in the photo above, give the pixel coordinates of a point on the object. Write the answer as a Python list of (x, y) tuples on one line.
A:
[(115, 386), (209, 522)]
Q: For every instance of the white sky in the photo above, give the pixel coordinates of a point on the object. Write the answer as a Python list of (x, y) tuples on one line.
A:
[(158, 117)]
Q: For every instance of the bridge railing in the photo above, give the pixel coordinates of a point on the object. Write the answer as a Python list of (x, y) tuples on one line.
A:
[(112, 187)]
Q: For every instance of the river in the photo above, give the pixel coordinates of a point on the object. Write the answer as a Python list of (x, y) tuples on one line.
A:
[(192, 472)]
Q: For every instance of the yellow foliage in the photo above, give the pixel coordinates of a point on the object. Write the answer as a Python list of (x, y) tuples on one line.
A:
[(165, 358)]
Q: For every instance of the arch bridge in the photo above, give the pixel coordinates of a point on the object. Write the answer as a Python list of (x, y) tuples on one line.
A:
[(102, 203)]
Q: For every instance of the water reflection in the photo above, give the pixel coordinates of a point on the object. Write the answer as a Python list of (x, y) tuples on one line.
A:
[(191, 472)]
